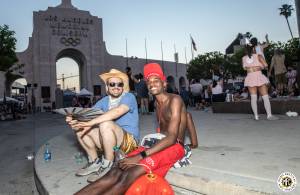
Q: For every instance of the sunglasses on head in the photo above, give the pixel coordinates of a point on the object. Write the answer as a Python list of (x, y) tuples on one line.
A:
[(112, 84)]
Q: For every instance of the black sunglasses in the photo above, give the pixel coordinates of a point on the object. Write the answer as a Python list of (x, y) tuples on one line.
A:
[(112, 84)]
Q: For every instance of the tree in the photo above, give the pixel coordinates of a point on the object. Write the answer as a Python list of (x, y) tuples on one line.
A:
[(286, 11), (231, 65), (203, 65), (8, 57), (234, 65), (291, 49), (7, 48)]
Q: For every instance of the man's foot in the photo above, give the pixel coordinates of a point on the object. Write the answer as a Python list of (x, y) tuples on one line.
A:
[(272, 118), (91, 167), (100, 173), (256, 117)]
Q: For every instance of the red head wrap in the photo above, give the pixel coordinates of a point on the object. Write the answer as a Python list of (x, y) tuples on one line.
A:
[(153, 69)]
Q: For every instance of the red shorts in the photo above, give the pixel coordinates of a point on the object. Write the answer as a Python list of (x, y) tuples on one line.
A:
[(162, 161)]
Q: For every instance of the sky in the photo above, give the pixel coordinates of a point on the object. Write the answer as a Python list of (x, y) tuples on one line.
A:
[(213, 24)]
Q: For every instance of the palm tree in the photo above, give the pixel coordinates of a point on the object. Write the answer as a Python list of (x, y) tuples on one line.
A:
[(286, 11)]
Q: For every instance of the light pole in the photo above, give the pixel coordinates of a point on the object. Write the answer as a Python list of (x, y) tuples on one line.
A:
[(297, 5), (33, 99)]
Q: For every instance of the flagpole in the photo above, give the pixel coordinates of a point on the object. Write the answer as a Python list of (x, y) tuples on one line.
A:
[(146, 50), (185, 55), (126, 53), (174, 48), (175, 54), (162, 56)]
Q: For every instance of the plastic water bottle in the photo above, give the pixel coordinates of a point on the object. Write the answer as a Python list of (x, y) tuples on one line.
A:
[(119, 154), (227, 97), (47, 153), (232, 98)]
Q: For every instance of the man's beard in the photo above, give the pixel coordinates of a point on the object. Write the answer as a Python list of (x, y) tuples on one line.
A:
[(114, 96), (114, 100)]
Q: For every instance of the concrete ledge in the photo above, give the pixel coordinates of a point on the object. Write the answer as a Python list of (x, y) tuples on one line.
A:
[(57, 176), (279, 106), (204, 185), (233, 159), (39, 186)]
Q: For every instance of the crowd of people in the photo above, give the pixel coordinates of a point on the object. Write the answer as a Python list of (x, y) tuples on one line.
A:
[(284, 80), (11, 110), (267, 80)]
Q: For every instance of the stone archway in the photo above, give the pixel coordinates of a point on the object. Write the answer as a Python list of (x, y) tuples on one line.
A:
[(18, 88), (65, 31), (79, 58), (9, 82), (171, 87), (171, 80)]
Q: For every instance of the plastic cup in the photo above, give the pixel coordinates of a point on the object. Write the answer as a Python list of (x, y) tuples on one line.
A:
[(78, 157)]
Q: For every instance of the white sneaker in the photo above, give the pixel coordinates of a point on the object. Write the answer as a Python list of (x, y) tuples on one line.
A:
[(291, 114), (272, 118), (100, 173), (90, 168), (256, 117)]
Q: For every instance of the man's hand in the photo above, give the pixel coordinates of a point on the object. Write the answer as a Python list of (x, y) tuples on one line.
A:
[(83, 131), (267, 38), (69, 118), (129, 162), (71, 122), (84, 127)]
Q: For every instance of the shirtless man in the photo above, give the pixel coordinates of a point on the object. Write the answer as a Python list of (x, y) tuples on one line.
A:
[(161, 157)]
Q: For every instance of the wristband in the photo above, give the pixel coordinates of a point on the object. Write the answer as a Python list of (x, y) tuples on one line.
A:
[(143, 154)]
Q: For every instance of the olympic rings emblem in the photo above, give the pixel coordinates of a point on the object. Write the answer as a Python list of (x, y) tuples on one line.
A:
[(70, 41)]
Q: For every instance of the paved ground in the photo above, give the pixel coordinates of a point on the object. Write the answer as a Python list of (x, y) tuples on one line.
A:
[(18, 139), (237, 155)]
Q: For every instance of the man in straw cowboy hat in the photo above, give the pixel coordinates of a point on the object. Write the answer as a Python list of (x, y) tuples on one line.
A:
[(118, 126), (172, 119)]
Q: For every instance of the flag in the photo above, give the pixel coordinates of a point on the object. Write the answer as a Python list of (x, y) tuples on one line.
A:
[(193, 43)]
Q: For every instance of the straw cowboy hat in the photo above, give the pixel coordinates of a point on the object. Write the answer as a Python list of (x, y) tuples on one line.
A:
[(114, 73)]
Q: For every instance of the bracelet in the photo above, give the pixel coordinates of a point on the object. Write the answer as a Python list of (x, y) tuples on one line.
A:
[(143, 154)]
